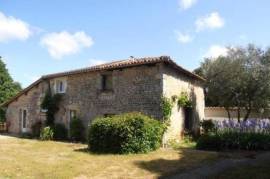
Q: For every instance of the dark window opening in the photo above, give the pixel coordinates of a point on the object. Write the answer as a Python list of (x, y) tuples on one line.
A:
[(24, 118), (106, 82), (109, 115), (188, 119)]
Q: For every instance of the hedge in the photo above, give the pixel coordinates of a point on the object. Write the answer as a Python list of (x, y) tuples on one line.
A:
[(234, 140), (125, 133)]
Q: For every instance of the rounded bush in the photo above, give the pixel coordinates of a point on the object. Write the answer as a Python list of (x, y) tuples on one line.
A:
[(125, 133), (60, 132)]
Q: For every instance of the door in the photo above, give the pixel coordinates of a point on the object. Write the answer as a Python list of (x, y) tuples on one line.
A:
[(188, 119), (72, 115), (24, 120)]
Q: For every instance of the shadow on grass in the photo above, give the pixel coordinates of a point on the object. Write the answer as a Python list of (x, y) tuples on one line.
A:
[(88, 151), (165, 168)]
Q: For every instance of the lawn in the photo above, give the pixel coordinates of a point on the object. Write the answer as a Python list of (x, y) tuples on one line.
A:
[(24, 158)]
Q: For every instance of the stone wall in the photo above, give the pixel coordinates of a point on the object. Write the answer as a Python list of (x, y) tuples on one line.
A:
[(31, 103), (173, 84), (219, 113), (134, 89)]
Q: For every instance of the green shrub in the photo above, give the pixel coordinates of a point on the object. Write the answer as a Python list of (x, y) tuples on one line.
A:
[(184, 101), (207, 126), (234, 140), (46, 133), (209, 142), (125, 133), (36, 129), (60, 132), (77, 130)]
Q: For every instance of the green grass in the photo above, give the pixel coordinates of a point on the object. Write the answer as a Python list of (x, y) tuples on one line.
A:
[(24, 158)]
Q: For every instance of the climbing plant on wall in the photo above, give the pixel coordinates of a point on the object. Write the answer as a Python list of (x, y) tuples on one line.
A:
[(183, 100), (51, 104), (167, 106)]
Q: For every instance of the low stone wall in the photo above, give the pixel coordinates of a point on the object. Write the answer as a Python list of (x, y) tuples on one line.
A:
[(220, 113)]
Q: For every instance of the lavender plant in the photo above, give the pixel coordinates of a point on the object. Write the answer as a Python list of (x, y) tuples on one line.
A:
[(250, 126)]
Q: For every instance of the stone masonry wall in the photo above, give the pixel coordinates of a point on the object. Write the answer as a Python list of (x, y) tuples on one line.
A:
[(31, 103), (173, 84), (134, 89)]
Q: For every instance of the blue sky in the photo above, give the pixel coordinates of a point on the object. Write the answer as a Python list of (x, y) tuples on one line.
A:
[(41, 37)]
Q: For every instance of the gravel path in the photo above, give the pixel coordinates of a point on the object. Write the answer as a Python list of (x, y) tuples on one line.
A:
[(212, 169)]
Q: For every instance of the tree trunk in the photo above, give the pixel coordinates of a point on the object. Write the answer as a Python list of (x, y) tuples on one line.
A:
[(247, 114), (228, 112), (248, 108), (238, 114)]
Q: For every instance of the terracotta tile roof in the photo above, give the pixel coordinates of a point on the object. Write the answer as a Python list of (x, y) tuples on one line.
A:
[(110, 66)]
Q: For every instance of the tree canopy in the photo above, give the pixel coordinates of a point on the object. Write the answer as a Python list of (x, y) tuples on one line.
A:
[(8, 87), (240, 79)]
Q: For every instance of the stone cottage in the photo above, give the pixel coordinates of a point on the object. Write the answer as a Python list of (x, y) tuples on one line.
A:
[(135, 84)]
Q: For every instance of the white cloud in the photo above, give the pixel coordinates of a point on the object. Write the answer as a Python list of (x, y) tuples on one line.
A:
[(63, 43), (210, 21), (186, 4), (12, 28), (94, 62), (215, 51), (183, 38)]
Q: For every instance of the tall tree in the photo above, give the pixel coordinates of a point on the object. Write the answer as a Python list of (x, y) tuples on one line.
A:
[(8, 87), (241, 79)]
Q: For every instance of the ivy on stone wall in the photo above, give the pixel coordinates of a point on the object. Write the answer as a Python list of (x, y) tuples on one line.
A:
[(183, 100), (167, 106), (51, 104)]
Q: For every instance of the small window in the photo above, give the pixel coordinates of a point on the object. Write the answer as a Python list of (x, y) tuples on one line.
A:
[(60, 86), (73, 114), (23, 118), (107, 82)]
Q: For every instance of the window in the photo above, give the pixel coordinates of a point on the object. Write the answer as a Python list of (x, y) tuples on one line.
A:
[(72, 114), (23, 117), (60, 86), (106, 82)]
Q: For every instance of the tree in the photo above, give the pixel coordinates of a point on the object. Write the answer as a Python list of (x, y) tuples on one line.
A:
[(8, 88), (241, 79)]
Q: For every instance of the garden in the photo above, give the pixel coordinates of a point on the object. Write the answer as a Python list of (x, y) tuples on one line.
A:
[(250, 134)]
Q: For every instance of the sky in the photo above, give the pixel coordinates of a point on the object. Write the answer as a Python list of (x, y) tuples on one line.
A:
[(42, 37)]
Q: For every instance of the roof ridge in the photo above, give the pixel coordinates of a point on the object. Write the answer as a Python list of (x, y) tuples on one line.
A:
[(110, 66)]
